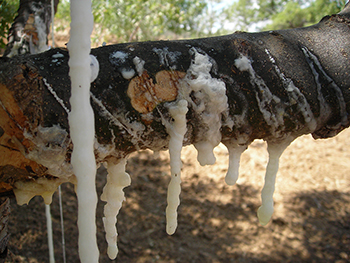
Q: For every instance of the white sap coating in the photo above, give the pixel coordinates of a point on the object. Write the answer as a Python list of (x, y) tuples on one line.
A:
[(211, 103), (113, 194), (177, 132), (51, 150), (58, 55), (264, 97), (324, 107), (166, 57), (235, 153), (49, 234), (139, 65), (81, 122), (95, 68), (338, 92), (266, 209), (295, 96), (127, 73), (120, 56), (243, 63)]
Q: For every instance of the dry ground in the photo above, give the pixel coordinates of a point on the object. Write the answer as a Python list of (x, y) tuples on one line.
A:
[(217, 223)]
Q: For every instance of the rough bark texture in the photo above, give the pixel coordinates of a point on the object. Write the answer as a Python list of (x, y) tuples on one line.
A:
[(5, 236), (279, 85)]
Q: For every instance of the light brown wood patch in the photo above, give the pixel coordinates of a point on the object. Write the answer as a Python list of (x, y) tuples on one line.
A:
[(13, 144), (146, 95)]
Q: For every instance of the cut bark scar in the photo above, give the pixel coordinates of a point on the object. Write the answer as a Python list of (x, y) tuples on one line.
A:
[(146, 95)]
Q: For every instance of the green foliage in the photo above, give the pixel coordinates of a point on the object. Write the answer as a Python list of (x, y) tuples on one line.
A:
[(8, 10), (139, 20), (279, 14)]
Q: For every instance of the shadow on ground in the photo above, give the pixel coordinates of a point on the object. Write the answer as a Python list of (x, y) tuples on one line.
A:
[(315, 227)]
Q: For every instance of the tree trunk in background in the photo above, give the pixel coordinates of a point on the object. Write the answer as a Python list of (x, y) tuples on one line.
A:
[(29, 31), (278, 84)]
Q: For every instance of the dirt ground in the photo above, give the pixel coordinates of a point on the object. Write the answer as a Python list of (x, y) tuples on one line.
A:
[(217, 223)]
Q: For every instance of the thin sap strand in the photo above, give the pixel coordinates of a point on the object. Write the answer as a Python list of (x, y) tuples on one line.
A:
[(49, 233), (235, 153), (62, 224), (117, 180), (177, 132), (266, 209)]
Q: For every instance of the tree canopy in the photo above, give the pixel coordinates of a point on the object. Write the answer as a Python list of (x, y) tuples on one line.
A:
[(139, 20), (280, 14)]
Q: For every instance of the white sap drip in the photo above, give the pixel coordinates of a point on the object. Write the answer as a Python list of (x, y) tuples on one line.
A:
[(82, 132), (127, 73), (205, 153), (295, 96), (211, 104), (177, 132), (266, 209), (235, 153), (113, 194)]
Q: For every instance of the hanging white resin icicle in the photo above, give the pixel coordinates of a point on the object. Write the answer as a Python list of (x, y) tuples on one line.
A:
[(81, 125), (235, 153), (117, 180), (266, 209), (177, 132)]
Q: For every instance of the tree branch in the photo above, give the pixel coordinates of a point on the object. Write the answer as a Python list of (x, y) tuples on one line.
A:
[(273, 85)]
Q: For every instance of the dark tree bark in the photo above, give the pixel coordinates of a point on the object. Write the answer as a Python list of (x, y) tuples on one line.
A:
[(5, 236), (29, 31), (278, 84)]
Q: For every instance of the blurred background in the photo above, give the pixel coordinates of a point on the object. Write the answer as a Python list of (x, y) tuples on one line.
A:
[(119, 21)]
